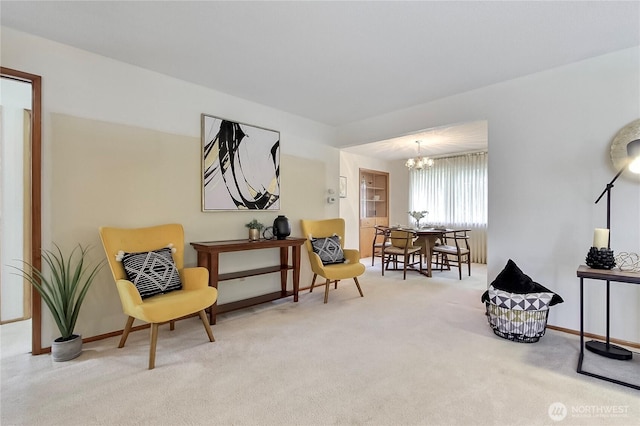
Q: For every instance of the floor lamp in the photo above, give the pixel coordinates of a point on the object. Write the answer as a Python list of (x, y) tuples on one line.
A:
[(606, 349)]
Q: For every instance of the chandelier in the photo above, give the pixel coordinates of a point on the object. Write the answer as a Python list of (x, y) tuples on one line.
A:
[(419, 162)]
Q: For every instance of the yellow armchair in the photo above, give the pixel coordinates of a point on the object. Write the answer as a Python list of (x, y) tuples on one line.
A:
[(351, 268), (194, 297)]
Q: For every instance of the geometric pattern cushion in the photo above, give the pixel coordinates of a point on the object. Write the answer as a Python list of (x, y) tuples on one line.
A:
[(520, 302), (152, 272), (329, 249)]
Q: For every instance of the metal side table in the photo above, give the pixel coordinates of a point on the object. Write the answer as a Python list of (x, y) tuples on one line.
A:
[(605, 349)]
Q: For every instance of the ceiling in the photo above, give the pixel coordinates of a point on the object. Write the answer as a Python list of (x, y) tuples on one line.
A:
[(337, 62)]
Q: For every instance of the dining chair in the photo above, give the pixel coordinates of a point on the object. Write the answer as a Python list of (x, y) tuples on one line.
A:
[(454, 251), (379, 240), (401, 250), (154, 286), (327, 255)]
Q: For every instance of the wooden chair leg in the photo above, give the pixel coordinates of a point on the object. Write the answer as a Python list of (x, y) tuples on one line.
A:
[(205, 321), (125, 333), (335, 284), (358, 285), (326, 290), (404, 266), (313, 282), (152, 346), (382, 265), (469, 264), (172, 325)]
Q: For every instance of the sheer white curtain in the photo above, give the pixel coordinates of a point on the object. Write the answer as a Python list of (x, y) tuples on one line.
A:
[(454, 192)]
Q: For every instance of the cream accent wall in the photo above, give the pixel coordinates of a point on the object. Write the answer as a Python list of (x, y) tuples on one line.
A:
[(154, 125), (107, 174), (549, 138)]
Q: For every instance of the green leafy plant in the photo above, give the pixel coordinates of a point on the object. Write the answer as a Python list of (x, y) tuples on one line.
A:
[(66, 286), (254, 224)]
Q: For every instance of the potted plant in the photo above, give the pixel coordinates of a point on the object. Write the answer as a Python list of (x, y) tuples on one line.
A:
[(63, 291), (254, 229)]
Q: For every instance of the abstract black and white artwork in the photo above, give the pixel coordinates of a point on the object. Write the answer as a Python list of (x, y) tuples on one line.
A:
[(240, 166)]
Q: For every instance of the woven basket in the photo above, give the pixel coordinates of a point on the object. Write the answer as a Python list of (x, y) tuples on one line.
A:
[(517, 325)]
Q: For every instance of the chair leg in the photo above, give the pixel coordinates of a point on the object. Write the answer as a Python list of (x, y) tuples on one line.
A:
[(326, 290), (404, 266), (358, 285), (313, 282), (469, 264), (152, 346), (382, 265), (172, 325), (205, 321), (125, 333)]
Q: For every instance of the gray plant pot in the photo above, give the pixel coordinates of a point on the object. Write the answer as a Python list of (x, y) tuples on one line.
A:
[(66, 350)]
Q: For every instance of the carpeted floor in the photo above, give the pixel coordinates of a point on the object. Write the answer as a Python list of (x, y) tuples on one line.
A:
[(414, 352)]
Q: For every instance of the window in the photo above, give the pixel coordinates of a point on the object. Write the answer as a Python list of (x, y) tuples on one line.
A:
[(454, 192)]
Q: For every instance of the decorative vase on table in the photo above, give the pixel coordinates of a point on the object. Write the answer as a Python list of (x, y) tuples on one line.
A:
[(281, 227), (600, 258), (254, 234)]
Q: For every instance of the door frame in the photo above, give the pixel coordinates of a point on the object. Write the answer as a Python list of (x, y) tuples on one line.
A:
[(36, 195)]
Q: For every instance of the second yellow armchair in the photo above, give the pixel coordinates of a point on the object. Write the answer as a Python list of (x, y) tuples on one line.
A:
[(332, 272)]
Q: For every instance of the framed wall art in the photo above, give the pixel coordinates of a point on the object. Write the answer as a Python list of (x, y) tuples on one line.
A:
[(343, 187), (240, 166)]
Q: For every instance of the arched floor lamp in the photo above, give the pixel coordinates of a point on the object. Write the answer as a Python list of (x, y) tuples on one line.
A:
[(632, 162)]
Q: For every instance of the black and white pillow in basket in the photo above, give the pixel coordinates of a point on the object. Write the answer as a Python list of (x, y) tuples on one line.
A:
[(152, 272), (329, 249)]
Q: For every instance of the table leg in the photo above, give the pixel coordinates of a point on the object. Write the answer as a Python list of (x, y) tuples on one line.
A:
[(213, 282), (429, 255), (284, 264), (427, 242), (581, 357), (296, 272)]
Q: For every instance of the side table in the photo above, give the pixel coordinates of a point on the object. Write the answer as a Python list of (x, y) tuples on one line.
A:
[(209, 257), (605, 349)]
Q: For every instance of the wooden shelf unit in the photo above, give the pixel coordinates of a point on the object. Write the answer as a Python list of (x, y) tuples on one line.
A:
[(374, 206)]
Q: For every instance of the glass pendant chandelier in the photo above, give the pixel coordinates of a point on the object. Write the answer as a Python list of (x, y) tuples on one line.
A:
[(419, 162)]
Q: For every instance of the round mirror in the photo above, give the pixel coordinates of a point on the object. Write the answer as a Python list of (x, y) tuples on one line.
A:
[(619, 158)]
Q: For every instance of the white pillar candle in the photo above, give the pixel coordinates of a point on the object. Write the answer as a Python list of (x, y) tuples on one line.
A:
[(601, 238)]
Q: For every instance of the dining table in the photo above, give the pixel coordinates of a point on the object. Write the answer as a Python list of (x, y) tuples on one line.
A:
[(427, 238)]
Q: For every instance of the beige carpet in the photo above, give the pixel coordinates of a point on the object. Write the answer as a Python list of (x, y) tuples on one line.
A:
[(414, 352)]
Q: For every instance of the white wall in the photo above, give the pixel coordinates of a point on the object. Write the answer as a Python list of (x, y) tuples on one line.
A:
[(87, 87), (16, 97), (549, 136), (350, 164)]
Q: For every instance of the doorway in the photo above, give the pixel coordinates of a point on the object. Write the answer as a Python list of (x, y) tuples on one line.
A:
[(20, 211)]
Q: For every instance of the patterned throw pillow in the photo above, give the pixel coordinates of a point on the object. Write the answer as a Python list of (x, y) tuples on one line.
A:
[(153, 272), (520, 302), (329, 249)]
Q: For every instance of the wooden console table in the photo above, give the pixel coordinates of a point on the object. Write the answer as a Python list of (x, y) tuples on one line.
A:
[(605, 349), (209, 257)]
